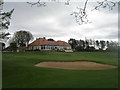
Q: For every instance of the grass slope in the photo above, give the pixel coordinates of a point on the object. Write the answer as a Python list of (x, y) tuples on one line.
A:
[(19, 70)]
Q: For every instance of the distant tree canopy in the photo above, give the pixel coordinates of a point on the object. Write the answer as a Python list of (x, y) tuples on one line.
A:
[(22, 38), (93, 45), (103, 44), (2, 46), (13, 46), (73, 43), (50, 39)]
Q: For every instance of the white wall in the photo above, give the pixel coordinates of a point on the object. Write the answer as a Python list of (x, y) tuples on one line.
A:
[(47, 47)]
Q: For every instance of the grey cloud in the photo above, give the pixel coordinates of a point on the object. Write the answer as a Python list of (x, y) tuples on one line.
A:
[(113, 24), (112, 35), (33, 19), (49, 34)]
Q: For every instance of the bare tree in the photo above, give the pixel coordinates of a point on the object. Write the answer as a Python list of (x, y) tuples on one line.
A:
[(22, 38)]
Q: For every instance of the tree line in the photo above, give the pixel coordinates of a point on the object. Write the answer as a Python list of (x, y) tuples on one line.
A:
[(22, 38), (93, 45)]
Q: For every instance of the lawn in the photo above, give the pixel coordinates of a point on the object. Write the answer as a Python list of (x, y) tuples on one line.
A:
[(19, 70)]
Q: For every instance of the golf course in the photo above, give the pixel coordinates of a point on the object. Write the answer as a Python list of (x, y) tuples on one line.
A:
[(20, 70)]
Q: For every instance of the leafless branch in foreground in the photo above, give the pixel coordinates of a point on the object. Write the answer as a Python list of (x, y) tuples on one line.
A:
[(119, 3), (105, 4), (81, 15), (1, 3), (5, 19), (38, 4), (67, 2)]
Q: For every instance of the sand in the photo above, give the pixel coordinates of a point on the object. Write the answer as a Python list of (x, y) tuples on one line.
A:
[(78, 65)]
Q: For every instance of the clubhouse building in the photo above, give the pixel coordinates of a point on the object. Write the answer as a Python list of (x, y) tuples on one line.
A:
[(43, 44)]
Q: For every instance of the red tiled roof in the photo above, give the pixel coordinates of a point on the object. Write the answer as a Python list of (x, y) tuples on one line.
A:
[(42, 41)]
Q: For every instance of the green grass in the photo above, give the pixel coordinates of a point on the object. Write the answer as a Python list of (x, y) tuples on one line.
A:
[(19, 70)]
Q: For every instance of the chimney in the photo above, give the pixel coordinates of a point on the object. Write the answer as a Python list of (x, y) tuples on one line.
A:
[(44, 38)]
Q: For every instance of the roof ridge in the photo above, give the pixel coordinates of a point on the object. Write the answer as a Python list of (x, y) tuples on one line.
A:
[(43, 41)]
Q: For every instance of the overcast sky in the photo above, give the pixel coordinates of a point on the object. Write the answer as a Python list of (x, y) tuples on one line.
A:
[(54, 21)]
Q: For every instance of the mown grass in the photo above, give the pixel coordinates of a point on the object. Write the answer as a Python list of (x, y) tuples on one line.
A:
[(19, 70)]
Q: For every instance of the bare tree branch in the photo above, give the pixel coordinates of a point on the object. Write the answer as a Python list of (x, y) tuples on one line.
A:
[(3, 35), (5, 19), (38, 3), (85, 5), (105, 4), (81, 15), (1, 3), (67, 2), (4, 22)]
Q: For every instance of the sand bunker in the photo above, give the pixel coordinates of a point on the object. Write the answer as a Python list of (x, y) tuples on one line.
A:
[(81, 65)]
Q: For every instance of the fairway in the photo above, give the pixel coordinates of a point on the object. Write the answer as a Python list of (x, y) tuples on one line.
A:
[(19, 70)]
